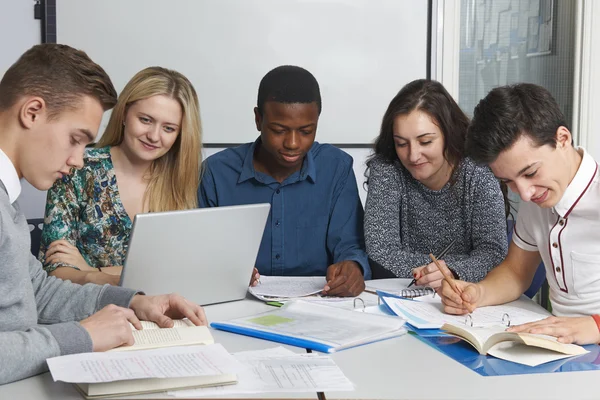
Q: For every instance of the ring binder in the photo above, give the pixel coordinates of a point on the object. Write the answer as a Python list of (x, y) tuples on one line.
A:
[(505, 320), (362, 301)]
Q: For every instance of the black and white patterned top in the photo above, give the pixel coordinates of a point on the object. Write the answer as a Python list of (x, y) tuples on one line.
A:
[(405, 220)]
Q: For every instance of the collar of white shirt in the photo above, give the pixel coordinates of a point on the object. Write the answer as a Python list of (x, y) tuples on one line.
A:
[(9, 177), (578, 186)]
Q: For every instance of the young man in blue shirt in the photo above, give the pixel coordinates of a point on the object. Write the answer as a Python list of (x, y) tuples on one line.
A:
[(315, 226)]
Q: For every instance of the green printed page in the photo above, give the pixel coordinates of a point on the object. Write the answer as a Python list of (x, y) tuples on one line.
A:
[(270, 320)]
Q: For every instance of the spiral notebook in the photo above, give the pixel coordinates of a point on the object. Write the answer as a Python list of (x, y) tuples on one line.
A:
[(398, 287)]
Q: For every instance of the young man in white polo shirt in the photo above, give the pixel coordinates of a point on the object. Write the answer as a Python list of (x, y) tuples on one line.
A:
[(520, 132)]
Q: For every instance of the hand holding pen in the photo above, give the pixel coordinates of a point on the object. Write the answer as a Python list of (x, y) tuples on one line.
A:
[(458, 297), (418, 273)]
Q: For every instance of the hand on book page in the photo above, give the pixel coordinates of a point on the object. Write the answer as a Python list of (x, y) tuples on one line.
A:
[(486, 341), (579, 330), (164, 308)]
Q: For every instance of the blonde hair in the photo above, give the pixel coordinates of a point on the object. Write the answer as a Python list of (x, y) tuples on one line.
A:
[(174, 177)]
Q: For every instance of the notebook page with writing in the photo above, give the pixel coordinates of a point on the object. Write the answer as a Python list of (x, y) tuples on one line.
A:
[(431, 315)]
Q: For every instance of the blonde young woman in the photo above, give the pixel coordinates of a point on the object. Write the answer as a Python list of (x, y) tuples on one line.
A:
[(148, 160)]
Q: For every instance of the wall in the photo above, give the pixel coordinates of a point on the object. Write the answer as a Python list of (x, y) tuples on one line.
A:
[(19, 31)]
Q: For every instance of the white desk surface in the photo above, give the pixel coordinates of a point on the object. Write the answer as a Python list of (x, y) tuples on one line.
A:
[(399, 368)]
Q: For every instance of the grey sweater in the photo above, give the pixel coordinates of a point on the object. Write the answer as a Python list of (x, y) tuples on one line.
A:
[(405, 220), (38, 312)]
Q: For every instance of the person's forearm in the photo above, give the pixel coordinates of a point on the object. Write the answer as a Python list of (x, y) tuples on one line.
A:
[(83, 277), (502, 285)]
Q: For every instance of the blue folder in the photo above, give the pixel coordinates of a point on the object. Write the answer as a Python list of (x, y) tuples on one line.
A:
[(292, 341), (465, 354)]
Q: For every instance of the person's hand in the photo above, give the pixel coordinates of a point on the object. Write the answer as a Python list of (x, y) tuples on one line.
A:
[(430, 275), (110, 327), (579, 330), (344, 279), (102, 278), (460, 303), (255, 278), (64, 252), (161, 309)]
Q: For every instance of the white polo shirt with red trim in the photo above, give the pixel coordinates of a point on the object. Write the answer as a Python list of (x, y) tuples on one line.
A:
[(567, 237)]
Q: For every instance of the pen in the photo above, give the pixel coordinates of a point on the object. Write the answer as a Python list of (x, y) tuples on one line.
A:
[(441, 255)]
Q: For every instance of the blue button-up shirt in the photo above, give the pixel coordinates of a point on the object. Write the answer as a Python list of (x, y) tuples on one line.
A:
[(316, 216)]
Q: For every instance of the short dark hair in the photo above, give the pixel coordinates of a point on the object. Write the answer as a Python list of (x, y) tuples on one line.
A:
[(432, 98), (506, 113), (59, 74), (288, 84)]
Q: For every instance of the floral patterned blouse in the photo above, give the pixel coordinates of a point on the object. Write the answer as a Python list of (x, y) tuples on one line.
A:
[(85, 209)]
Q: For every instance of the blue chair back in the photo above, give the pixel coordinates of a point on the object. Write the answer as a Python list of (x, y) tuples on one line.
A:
[(35, 229), (540, 273)]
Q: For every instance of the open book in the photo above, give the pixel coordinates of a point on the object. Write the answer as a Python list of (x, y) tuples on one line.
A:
[(183, 333), (523, 348), (316, 326)]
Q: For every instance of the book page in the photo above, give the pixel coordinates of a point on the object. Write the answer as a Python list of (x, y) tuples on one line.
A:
[(174, 362), (288, 286), (164, 337), (279, 370), (177, 323), (522, 354)]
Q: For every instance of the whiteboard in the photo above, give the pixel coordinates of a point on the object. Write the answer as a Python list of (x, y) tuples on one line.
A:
[(361, 52)]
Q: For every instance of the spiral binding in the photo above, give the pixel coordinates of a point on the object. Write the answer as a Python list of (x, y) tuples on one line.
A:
[(417, 292)]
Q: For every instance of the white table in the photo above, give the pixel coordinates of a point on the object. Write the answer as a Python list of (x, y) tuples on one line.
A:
[(399, 368)]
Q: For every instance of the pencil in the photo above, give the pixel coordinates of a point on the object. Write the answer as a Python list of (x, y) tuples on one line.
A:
[(450, 280)]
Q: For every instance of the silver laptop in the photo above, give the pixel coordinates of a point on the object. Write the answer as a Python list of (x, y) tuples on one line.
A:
[(206, 255)]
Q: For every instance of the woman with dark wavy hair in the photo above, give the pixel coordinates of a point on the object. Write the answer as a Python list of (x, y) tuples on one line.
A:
[(424, 194)]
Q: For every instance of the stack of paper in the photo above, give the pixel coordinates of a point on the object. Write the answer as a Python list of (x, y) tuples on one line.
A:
[(279, 370), (145, 371), (276, 288)]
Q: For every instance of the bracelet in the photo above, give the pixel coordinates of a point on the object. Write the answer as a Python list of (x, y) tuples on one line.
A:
[(597, 320)]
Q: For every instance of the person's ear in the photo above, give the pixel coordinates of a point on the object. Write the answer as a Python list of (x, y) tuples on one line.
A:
[(31, 111), (258, 119), (563, 138)]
